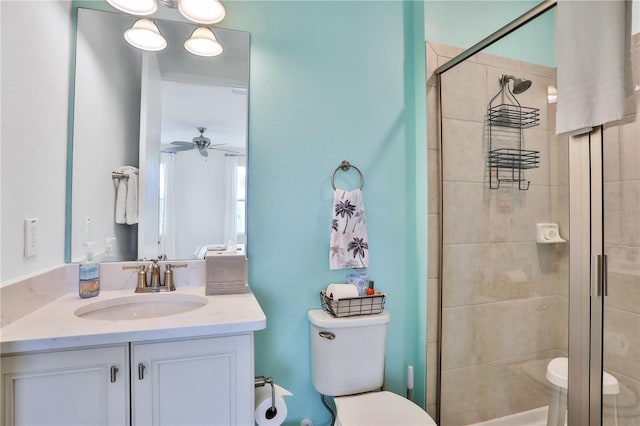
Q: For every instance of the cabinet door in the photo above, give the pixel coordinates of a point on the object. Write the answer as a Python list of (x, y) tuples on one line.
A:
[(66, 388), (193, 382)]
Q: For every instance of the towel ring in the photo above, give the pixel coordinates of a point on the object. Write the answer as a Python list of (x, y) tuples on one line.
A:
[(345, 166)]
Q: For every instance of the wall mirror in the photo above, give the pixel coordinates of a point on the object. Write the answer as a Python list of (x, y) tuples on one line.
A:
[(141, 114)]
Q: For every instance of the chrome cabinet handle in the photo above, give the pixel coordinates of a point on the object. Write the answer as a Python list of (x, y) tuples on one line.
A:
[(141, 371), (114, 373), (327, 335)]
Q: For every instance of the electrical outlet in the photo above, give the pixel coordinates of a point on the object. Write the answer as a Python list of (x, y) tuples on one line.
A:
[(30, 237)]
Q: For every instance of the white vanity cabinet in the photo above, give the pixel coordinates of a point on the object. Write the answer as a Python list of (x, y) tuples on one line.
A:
[(192, 368), (203, 381), (193, 382), (74, 387)]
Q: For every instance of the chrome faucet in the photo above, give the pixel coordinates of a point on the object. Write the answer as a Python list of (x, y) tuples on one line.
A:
[(153, 283)]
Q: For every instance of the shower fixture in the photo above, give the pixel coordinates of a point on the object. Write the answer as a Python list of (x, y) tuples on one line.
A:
[(506, 119), (520, 85)]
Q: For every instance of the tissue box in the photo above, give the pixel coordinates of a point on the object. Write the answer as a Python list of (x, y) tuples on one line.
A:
[(226, 273)]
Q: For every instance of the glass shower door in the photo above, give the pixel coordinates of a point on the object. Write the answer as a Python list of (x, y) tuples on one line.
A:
[(504, 291), (621, 330)]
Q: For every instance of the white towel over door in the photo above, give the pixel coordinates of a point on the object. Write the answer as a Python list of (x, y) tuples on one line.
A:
[(593, 59)]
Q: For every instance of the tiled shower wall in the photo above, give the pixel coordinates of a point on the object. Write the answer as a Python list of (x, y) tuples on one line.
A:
[(504, 296)]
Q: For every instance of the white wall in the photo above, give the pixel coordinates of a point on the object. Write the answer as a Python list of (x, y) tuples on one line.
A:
[(33, 131)]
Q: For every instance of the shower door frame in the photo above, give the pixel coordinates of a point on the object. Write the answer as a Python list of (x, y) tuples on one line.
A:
[(587, 278), (587, 262)]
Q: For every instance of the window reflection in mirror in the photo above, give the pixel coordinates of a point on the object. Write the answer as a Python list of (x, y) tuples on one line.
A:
[(143, 109)]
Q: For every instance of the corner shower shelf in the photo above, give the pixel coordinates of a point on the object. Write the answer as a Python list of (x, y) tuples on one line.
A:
[(508, 162)]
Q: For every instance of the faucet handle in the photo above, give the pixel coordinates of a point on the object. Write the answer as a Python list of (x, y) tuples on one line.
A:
[(142, 277), (168, 275)]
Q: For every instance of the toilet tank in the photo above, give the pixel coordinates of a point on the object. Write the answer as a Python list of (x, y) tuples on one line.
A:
[(347, 354)]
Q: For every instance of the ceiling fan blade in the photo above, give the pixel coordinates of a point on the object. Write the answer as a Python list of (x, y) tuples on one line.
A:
[(181, 143), (225, 150), (177, 148)]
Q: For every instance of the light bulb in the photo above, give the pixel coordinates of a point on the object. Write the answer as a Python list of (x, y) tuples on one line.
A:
[(203, 43), (135, 7), (144, 34), (202, 11)]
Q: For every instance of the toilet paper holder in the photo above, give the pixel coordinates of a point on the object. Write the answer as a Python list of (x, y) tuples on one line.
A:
[(261, 381)]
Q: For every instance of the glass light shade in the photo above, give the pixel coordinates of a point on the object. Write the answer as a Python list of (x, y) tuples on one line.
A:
[(135, 7), (144, 34), (202, 11), (203, 43)]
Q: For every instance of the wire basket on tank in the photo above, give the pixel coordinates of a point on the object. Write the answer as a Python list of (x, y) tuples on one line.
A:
[(353, 306)]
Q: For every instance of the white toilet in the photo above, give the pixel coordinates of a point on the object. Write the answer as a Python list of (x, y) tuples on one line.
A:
[(347, 362)]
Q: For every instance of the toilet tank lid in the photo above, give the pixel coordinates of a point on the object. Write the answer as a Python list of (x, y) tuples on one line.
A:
[(322, 318)]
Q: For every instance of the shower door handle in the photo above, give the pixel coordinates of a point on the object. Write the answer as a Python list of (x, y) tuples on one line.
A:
[(599, 275), (605, 279)]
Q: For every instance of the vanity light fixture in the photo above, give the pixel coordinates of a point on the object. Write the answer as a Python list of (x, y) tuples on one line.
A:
[(203, 43), (144, 34), (139, 7), (202, 11)]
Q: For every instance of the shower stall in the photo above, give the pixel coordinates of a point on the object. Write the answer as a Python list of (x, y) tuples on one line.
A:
[(536, 243)]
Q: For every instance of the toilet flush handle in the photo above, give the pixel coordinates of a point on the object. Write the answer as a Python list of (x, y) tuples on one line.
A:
[(327, 335)]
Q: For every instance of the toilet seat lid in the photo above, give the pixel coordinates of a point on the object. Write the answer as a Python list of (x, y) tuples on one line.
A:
[(380, 408)]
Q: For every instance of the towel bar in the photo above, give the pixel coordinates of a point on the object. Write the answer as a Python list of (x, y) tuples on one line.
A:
[(345, 166), (117, 175)]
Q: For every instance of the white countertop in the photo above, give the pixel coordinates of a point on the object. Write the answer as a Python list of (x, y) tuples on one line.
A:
[(54, 326)]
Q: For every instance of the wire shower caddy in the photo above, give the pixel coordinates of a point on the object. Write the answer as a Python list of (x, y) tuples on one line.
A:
[(508, 118)]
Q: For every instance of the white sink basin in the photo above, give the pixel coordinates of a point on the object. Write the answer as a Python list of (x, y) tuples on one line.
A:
[(141, 306)]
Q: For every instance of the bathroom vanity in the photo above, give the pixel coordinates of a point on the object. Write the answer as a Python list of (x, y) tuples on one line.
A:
[(194, 367)]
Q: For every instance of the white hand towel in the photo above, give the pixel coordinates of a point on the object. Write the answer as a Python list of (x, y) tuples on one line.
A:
[(121, 201), (132, 197), (593, 63), (349, 247), (127, 196)]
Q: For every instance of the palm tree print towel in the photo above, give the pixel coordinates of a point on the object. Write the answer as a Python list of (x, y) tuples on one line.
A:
[(349, 247)]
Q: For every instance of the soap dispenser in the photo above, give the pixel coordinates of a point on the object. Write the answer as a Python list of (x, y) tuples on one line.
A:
[(89, 285), (109, 253)]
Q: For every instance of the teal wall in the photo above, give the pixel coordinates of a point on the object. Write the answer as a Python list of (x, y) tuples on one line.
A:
[(333, 81), (463, 23)]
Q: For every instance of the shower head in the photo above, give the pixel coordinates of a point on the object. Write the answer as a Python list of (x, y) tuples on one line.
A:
[(520, 85)]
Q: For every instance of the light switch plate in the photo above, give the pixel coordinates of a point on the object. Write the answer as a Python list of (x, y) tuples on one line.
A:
[(30, 237)]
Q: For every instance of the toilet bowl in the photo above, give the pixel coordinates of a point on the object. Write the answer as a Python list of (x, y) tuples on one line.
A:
[(379, 409), (347, 363)]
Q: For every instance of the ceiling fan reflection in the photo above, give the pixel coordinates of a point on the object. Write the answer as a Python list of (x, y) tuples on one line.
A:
[(200, 142)]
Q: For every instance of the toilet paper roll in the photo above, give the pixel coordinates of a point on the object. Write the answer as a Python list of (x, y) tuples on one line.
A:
[(263, 416), (340, 291)]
